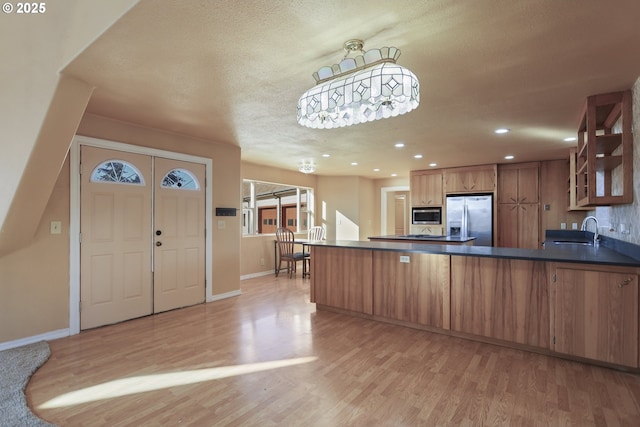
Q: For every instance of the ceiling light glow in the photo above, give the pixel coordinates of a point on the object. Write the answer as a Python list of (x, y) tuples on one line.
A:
[(570, 139), (399, 145), (501, 130), (433, 164), (509, 157), (417, 156)]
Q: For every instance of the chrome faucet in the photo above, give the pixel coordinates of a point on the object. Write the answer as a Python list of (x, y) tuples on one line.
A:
[(584, 228)]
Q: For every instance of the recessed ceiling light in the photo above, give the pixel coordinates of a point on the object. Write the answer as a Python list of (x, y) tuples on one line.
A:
[(433, 164), (418, 156), (376, 170), (394, 174), (501, 130), (399, 145), (509, 157), (326, 155), (570, 139), (354, 163)]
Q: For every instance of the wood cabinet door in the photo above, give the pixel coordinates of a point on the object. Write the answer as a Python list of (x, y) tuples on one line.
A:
[(596, 315), (416, 291), (426, 189), (528, 185), (455, 182), (342, 278), (528, 226), (499, 298), (508, 225), (470, 181), (481, 180), (508, 186)]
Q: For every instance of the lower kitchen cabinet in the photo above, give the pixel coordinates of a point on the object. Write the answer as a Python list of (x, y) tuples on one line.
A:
[(505, 299), (411, 287), (596, 314), (518, 225), (341, 278)]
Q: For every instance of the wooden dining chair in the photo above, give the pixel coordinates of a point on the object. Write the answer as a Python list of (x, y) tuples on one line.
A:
[(313, 234), (286, 246)]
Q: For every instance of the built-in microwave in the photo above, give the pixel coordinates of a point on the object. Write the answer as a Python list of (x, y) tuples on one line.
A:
[(431, 215)]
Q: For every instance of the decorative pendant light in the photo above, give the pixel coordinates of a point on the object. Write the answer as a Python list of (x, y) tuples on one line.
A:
[(369, 87), (307, 166)]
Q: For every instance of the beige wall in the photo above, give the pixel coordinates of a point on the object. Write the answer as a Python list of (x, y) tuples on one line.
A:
[(34, 51), (368, 210), (379, 184), (34, 281), (44, 163)]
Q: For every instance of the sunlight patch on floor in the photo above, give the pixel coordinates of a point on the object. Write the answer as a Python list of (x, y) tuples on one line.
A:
[(145, 383)]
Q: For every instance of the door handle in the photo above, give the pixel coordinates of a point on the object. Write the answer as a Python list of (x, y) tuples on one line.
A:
[(158, 232), (158, 243)]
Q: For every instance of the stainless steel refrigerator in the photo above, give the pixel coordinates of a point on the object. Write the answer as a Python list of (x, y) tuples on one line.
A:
[(471, 216)]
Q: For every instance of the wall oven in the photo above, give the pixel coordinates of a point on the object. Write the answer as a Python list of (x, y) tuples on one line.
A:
[(431, 215)]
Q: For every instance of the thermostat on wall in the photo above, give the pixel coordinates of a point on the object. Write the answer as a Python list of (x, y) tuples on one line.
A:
[(226, 211)]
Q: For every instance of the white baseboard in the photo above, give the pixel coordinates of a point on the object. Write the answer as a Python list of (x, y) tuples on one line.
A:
[(253, 275), (231, 294), (47, 336)]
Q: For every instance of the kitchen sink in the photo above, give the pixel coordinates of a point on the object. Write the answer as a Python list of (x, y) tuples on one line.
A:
[(572, 242)]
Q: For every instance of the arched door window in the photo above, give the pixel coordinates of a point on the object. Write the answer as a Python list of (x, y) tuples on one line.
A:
[(180, 179), (118, 171)]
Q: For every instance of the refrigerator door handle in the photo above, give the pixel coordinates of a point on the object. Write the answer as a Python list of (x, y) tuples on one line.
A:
[(465, 218)]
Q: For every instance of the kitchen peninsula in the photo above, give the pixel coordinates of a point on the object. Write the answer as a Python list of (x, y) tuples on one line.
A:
[(426, 239), (571, 300)]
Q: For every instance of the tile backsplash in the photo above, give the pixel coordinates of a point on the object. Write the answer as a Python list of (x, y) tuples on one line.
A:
[(628, 216)]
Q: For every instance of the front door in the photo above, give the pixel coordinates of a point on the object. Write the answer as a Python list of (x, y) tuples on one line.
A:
[(179, 234), (115, 226), (142, 235)]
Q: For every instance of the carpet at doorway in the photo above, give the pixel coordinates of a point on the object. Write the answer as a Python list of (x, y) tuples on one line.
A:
[(16, 367)]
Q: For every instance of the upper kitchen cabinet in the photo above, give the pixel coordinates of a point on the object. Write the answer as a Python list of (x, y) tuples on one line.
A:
[(519, 183), (474, 179), (604, 160), (426, 188)]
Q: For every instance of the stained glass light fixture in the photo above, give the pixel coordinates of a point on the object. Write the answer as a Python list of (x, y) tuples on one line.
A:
[(307, 166), (368, 87)]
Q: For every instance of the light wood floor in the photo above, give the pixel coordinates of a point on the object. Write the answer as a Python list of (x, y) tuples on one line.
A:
[(267, 358)]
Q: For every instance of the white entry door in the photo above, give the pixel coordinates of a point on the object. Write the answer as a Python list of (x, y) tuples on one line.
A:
[(115, 226), (179, 209), (130, 266)]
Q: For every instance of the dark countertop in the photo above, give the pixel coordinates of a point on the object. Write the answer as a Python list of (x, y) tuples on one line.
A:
[(425, 237), (551, 253)]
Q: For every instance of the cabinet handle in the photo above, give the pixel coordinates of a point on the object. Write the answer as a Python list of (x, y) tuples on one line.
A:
[(625, 282)]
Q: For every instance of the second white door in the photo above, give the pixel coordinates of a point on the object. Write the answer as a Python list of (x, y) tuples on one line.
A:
[(179, 271)]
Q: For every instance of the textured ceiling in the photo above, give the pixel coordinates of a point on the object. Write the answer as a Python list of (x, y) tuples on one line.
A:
[(232, 72)]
